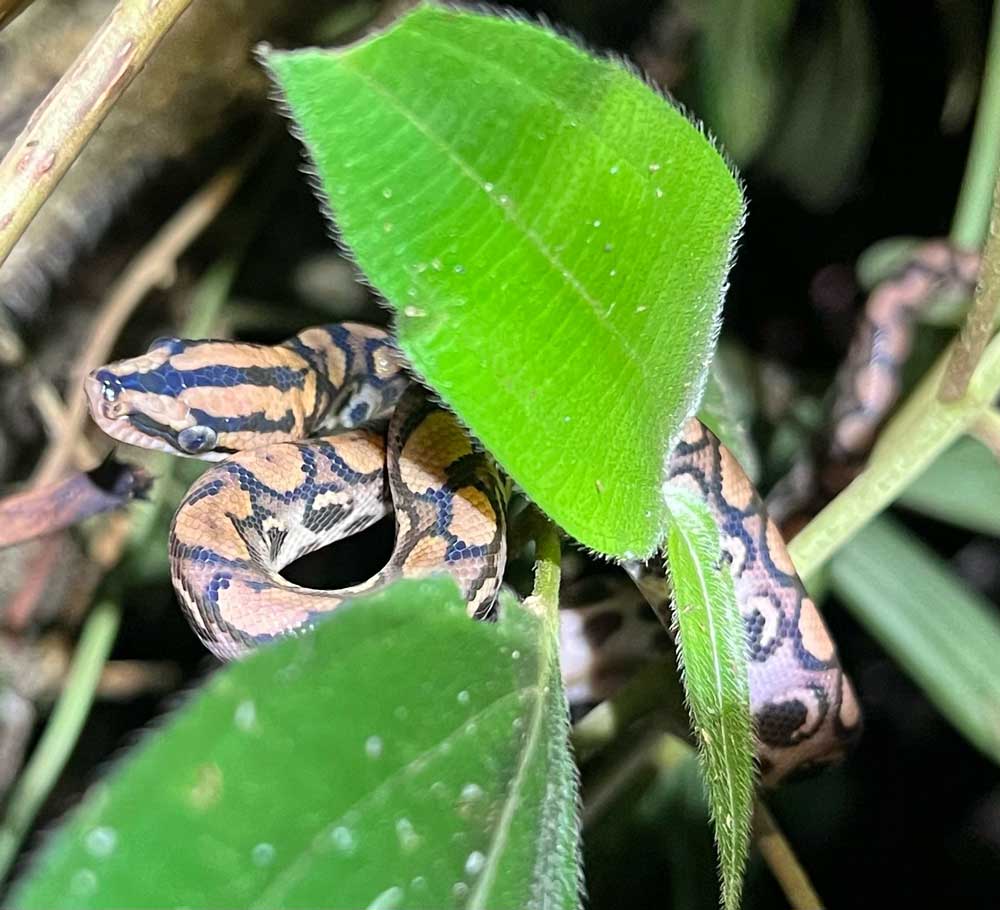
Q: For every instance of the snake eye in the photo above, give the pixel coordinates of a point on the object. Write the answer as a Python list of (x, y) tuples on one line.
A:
[(197, 439)]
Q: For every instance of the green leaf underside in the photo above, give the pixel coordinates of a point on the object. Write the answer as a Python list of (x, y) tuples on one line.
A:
[(553, 236), (943, 634), (400, 756), (712, 651)]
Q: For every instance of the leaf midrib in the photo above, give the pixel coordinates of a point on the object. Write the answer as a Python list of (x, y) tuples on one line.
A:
[(292, 874), (509, 213)]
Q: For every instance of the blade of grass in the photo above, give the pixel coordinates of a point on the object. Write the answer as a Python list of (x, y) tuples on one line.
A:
[(61, 732)]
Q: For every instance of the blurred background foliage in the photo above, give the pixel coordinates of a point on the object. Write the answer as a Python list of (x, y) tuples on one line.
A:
[(850, 122)]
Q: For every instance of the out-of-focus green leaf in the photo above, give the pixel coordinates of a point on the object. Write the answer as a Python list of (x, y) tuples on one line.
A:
[(399, 756), (961, 487), (942, 633), (553, 235), (711, 644), (741, 66), (822, 137), (728, 405)]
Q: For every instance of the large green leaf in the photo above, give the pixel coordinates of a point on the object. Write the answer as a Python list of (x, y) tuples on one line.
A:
[(553, 235), (400, 756), (712, 649), (946, 636)]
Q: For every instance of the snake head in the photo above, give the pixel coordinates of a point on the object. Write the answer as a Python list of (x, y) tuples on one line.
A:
[(150, 420), (140, 401), (203, 399)]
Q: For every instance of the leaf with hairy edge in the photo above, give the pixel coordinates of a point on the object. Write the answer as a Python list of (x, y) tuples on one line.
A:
[(553, 235), (399, 756), (711, 645)]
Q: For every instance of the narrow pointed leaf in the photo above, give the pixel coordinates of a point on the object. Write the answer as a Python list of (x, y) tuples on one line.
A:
[(400, 756), (712, 651), (553, 235)]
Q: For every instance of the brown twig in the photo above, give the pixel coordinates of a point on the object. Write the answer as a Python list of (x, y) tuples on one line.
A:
[(154, 266), (981, 319), (656, 750), (782, 861), (52, 411), (63, 123)]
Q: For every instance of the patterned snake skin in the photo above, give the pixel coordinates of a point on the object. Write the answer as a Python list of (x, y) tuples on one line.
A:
[(275, 497), (284, 488)]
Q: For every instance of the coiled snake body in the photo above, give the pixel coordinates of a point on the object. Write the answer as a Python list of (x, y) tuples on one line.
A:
[(287, 485)]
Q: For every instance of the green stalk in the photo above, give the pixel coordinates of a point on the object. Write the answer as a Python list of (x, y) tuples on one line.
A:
[(61, 732), (925, 426), (972, 212), (919, 433), (977, 330), (544, 598)]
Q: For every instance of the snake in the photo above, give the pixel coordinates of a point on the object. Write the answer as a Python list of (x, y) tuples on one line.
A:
[(322, 435)]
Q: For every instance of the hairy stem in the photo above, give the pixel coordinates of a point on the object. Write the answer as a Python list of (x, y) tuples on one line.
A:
[(544, 599)]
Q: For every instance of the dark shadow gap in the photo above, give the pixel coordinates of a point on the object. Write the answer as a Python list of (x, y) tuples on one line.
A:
[(346, 562)]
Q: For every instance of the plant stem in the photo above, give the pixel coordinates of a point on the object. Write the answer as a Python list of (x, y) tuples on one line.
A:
[(666, 751), (925, 426), (972, 212), (782, 861), (61, 732), (977, 330), (922, 430), (544, 598), (64, 122)]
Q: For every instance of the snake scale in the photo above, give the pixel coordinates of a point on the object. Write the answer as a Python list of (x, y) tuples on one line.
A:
[(320, 436)]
